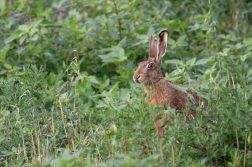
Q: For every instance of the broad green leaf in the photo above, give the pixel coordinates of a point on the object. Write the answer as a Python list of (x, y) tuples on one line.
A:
[(33, 30), (202, 61), (3, 53), (182, 43), (122, 42), (20, 50), (48, 54), (171, 41), (249, 48), (117, 55), (247, 55), (94, 80), (174, 61), (125, 95), (248, 41), (190, 62), (8, 66), (21, 34), (107, 58), (182, 38), (24, 28), (10, 38), (38, 22), (113, 89), (2, 138), (22, 39), (34, 37), (178, 87), (151, 31), (106, 83)]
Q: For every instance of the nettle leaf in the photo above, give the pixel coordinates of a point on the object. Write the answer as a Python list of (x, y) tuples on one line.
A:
[(171, 41), (202, 61), (3, 53), (151, 31), (33, 30), (114, 89), (38, 22), (22, 39), (94, 80), (125, 95), (34, 37), (190, 62), (248, 41), (8, 66), (24, 28), (174, 61), (117, 55), (182, 41), (249, 48), (10, 38), (247, 55), (122, 42), (178, 87)]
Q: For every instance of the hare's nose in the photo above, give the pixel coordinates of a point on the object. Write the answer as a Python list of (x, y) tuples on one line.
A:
[(137, 79)]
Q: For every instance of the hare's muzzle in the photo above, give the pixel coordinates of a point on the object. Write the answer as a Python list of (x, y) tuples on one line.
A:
[(136, 79)]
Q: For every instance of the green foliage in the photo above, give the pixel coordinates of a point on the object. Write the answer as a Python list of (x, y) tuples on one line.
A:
[(66, 91)]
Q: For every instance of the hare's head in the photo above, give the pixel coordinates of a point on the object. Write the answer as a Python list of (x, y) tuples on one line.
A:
[(149, 71)]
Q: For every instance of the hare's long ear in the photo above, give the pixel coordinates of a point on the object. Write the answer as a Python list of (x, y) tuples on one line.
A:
[(161, 45), (152, 48)]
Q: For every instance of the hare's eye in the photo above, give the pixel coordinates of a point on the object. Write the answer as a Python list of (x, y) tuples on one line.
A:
[(150, 65)]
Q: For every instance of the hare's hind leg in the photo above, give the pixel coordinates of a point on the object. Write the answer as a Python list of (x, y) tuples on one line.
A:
[(160, 131)]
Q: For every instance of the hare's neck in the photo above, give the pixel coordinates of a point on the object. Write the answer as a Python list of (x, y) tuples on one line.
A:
[(150, 89)]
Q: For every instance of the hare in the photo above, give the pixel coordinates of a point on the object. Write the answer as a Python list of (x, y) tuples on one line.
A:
[(159, 90)]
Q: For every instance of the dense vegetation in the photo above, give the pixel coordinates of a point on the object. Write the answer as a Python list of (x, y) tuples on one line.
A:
[(66, 91)]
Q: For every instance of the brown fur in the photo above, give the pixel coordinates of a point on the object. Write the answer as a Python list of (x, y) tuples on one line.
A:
[(158, 90)]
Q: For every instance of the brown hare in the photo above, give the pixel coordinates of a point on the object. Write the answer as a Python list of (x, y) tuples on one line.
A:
[(158, 90)]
